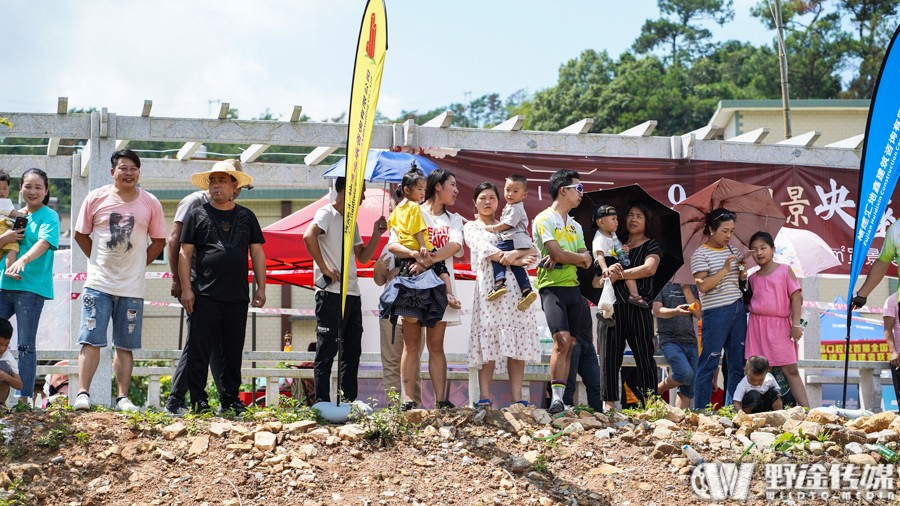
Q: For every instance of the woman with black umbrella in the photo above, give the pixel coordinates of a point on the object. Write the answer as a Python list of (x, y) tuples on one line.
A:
[(634, 324)]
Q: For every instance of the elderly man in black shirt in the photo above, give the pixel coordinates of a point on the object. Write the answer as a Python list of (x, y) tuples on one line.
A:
[(218, 236)]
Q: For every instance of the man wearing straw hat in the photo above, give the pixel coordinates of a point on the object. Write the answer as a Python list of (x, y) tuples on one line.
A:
[(216, 237), (175, 404)]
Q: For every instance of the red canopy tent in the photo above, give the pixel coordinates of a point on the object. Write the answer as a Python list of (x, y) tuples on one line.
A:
[(284, 245)]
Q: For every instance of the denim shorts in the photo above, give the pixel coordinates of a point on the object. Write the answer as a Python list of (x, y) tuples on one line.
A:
[(682, 358), (126, 314)]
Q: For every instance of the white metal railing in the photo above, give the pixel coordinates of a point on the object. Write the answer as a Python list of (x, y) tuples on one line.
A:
[(869, 379)]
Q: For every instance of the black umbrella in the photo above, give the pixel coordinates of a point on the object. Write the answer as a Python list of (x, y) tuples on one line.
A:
[(664, 225)]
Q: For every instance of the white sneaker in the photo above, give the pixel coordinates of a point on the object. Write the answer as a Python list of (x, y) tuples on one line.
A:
[(82, 402), (126, 405)]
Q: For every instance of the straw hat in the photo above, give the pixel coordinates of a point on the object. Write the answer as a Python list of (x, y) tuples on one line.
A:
[(230, 167)]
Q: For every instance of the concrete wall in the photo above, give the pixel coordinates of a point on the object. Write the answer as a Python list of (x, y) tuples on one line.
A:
[(835, 124)]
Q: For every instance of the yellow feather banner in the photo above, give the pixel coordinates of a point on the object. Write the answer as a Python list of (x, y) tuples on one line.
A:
[(370, 53)]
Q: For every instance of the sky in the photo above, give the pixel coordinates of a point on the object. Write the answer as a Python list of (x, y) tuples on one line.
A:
[(188, 55)]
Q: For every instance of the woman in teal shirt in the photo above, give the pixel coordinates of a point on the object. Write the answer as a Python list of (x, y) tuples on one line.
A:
[(28, 282)]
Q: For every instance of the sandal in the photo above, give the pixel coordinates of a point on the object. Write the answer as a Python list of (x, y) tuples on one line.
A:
[(523, 402), (498, 291), (638, 301), (484, 404), (526, 301), (453, 302), (408, 405)]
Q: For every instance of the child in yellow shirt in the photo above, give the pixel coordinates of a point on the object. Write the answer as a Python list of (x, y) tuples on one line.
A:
[(407, 222)]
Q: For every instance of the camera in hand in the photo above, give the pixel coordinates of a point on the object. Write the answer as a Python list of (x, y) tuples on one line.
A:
[(20, 223)]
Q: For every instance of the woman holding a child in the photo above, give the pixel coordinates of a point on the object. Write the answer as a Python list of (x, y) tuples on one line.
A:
[(28, 282), (445, 232), (634, 324), (504, 335)]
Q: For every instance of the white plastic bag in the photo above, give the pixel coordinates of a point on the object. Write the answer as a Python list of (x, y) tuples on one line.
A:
[(607, 299)]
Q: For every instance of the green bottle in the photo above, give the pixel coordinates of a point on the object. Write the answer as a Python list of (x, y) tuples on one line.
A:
[(890, 455)]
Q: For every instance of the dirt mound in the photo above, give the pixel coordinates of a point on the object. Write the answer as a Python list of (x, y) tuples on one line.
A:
[(511, 456)]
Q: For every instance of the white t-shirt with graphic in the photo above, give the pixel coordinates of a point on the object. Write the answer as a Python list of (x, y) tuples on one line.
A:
[(121, 232)]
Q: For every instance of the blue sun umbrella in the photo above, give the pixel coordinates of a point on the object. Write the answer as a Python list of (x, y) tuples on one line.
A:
[(385, 166)]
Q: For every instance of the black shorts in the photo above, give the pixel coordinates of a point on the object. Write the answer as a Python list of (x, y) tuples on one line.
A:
[(566, 310)]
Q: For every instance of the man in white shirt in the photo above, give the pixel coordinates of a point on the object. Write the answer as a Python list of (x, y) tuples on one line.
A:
[(323, 240)]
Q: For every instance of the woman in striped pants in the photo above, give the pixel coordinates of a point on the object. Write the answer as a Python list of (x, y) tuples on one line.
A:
[(634, 324)]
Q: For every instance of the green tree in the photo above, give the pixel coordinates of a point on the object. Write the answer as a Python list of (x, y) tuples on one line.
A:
[(678, 29), (578, 93), (874, 22), (814, 44)]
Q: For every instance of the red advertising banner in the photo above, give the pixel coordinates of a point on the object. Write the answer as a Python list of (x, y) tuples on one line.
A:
[(819, 199)]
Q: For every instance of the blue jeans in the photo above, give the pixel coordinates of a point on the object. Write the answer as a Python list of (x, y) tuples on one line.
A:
[(723, 328), (126, 313), (518, 271), (682, 358), (27, 307)]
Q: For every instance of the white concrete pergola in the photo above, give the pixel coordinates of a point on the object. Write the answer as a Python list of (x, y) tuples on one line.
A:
[(105, 132)]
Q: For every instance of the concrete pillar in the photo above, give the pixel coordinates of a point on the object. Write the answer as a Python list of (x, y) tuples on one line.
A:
[(810, 348), (102, 143)]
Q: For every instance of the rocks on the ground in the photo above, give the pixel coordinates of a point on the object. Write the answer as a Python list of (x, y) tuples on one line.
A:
[(166, 455), (448, 432), (541, 416), (846, 435), (811, 429), (174, 430), (320, 433), (853, 448), (574, 429), (264, 441), (199, 445), (816, 448), (763, 439), (674, 414), (220, 429), (299, 427), (862, 459), (710, 425), (416, 416), (606, 433), (873, 423), (662, 450), (822, 416), (352, 432), (519, 465), (307, 452), (883, 436)]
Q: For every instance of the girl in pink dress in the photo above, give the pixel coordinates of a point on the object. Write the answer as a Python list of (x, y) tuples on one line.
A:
[(774, 327)]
